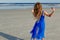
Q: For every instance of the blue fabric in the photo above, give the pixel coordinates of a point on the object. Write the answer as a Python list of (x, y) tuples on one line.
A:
[(39, 27)]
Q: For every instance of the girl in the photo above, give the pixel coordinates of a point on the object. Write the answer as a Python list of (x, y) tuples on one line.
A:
[(39, 27)]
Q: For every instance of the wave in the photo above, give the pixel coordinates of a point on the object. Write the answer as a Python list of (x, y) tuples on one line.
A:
[(26, 5)]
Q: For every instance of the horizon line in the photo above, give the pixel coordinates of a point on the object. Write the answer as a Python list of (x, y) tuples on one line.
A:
[(29, 3)]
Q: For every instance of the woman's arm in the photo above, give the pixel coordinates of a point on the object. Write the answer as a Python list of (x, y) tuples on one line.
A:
[(49, 15), (33, 14), (33, 11)]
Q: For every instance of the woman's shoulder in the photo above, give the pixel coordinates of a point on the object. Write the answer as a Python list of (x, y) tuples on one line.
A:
[(44, 11), (32, 10)]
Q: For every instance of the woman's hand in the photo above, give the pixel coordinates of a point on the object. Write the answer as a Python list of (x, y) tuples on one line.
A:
[(52, 9)]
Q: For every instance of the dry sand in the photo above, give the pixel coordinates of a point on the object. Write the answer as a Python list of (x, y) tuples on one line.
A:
[(16, 24)]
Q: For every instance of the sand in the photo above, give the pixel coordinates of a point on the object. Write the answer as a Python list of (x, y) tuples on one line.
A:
[(16, 24)]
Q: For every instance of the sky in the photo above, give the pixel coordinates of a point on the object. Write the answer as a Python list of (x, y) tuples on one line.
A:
[(29, 1)]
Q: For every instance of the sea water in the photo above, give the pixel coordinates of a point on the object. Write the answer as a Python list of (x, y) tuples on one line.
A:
[(26, 5)]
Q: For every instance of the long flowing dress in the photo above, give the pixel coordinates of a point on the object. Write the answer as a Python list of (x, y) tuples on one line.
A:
[(39, 28)]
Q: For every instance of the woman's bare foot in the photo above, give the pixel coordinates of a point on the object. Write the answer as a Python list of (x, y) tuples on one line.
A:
[(42, 38), (34, 39)]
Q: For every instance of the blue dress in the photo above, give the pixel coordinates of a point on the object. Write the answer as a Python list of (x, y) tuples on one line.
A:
[(39, 28)]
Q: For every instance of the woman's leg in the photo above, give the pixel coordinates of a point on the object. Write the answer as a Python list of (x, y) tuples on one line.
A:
[(36, 33), (37, 29), (34, 38), (42, 38)]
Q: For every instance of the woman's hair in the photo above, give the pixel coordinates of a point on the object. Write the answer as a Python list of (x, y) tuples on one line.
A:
[(37, 8)]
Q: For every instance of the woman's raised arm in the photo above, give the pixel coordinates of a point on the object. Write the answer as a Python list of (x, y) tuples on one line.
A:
[(49, 15)]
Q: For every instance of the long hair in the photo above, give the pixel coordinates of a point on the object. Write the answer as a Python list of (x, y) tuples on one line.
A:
[(37, 9)]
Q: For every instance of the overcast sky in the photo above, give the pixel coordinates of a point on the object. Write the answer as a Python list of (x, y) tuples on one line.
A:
[(29, 1)]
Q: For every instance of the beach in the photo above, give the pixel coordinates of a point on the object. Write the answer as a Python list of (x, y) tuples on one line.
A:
[(16, 24)]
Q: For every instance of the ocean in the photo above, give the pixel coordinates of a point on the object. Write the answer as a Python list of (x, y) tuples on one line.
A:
[(26, 5)]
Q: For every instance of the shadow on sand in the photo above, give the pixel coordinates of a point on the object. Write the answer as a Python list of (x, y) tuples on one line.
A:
[(9, 37)]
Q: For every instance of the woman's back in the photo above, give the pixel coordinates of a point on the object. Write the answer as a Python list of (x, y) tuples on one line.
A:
[(41, 17)]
